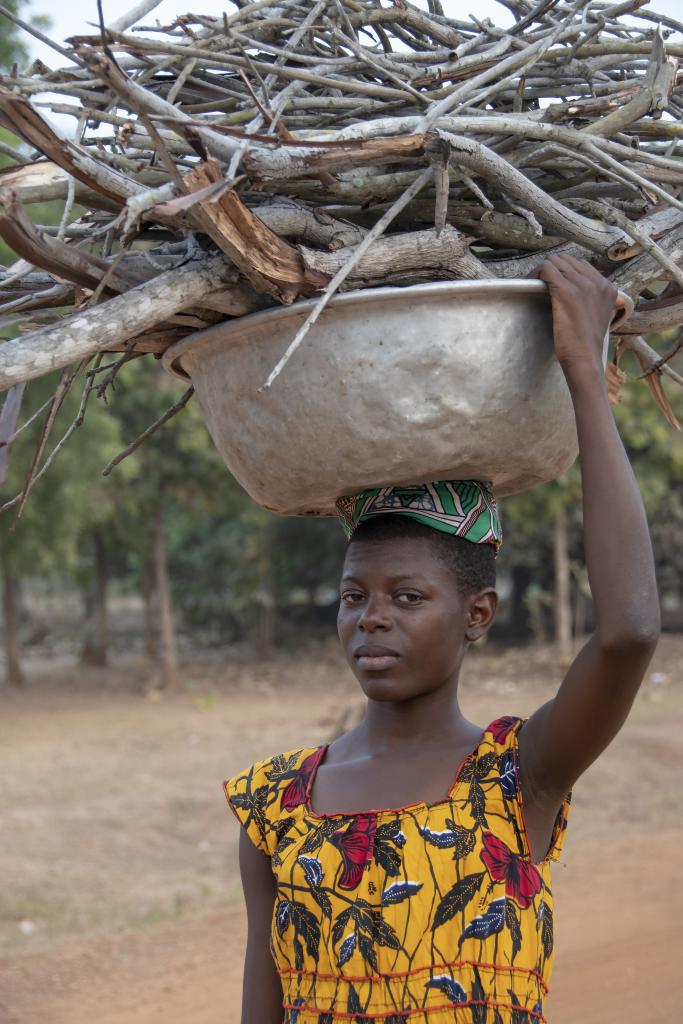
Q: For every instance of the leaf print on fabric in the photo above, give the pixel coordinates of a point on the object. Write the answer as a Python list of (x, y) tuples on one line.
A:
[(488, 923), (476, 767), (387, 837), (400, 891), (254, 802), (391, 831), (453, 989), (547, 937), (355, 844), (367, 952), (282, 845), (461, 840), (522, 879), (325, 1018), (323, 901), (477, 801), (281, 767), (305, 925), (340, 924), (513, 925), (502, 727), (346, 949), (388, 858), (383, 933), (298, 953), (318, 835), (295, 793), (508, 774), (396, 1018), (282, 915), (457, 898), (312, 870)]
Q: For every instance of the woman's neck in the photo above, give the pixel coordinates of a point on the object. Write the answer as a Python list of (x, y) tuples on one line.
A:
[(429, 718)]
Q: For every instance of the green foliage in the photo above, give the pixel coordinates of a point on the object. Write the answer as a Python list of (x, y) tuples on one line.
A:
[(70, 498), (12, 40)]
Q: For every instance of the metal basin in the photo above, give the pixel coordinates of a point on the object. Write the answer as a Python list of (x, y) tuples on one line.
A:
[(392, 385)]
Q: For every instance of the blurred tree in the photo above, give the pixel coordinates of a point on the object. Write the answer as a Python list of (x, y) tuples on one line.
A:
[(61, 505), (543, 526), (175, 468), (12, 41)]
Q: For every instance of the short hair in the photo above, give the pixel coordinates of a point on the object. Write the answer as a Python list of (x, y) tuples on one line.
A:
[(472, 565)]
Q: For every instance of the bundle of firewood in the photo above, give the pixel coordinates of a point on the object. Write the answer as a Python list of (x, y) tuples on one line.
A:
[(287, 150)]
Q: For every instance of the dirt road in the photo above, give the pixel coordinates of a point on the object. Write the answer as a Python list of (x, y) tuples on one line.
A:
[(120, 900)]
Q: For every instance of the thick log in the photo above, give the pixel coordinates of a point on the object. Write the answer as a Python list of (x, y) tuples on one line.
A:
[(17, 114), (124, 317), (403, 259), (45, 180), (65, 261), (272, 265)]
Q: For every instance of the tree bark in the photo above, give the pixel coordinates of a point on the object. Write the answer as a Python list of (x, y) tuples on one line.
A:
[(82, 334), (151, 633), (168, 652), (96, 642), (13, 671), (563, 610), (520, 624), (267, 597)]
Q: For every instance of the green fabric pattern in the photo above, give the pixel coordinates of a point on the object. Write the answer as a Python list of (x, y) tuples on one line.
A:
[(465, 508)]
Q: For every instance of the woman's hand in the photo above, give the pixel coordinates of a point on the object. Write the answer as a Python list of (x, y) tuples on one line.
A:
[(583, 305)]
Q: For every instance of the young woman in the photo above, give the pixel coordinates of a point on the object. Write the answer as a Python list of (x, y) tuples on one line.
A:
[(402, 872)]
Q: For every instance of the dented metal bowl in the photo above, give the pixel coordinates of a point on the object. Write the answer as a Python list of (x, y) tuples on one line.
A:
[(391, 386)]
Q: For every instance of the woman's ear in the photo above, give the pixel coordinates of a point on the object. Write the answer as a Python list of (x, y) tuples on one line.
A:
[(480, 611)]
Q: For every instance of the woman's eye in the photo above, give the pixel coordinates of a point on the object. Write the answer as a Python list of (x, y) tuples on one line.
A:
[(408, 597), (351, 597)]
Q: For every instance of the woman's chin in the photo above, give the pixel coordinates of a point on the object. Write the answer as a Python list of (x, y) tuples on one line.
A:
[(384, 687)]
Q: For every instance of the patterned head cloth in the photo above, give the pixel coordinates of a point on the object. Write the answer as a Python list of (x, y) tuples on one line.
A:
[(465, 508)]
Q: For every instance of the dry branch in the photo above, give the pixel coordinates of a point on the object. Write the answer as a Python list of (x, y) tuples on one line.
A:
[(230, 164)]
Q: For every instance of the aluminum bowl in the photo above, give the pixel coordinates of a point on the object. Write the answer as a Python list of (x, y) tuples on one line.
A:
[(391, 386)]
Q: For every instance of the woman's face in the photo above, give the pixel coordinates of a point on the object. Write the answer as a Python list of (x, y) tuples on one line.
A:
[(402, 621)]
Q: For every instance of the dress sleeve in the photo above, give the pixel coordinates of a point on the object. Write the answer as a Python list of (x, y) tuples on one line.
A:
[(560, 826), (249, 795)]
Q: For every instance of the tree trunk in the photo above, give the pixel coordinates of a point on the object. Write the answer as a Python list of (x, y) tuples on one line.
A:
[(97, 625), (169, 654), (563, 609), (13, 672), (151, 632), (520, 620)]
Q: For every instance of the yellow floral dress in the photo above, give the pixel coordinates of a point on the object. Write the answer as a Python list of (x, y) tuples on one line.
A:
[(424, 914)]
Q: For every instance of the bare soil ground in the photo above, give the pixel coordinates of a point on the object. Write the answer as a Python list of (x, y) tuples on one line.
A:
[(120, 900)]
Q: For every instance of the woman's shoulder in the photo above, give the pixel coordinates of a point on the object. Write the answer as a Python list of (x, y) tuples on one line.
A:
[(261, 794), (275, 771), (502, 731)]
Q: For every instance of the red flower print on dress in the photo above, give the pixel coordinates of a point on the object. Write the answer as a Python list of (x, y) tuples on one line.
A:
[(355, 845), (502, 726), (522, 879), (295, 792)]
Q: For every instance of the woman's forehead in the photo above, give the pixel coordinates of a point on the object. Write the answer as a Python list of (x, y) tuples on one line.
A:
[(395, 557)]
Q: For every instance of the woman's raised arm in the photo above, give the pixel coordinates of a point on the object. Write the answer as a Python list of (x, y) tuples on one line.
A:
[(564, 736)]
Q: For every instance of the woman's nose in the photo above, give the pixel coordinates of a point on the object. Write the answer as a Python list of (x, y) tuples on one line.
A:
[(375, 615)]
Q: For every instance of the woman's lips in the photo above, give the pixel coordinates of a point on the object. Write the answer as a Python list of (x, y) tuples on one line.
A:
[(376, 662)]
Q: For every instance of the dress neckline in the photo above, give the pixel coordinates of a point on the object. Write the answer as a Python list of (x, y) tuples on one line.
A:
[(320, 754)]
